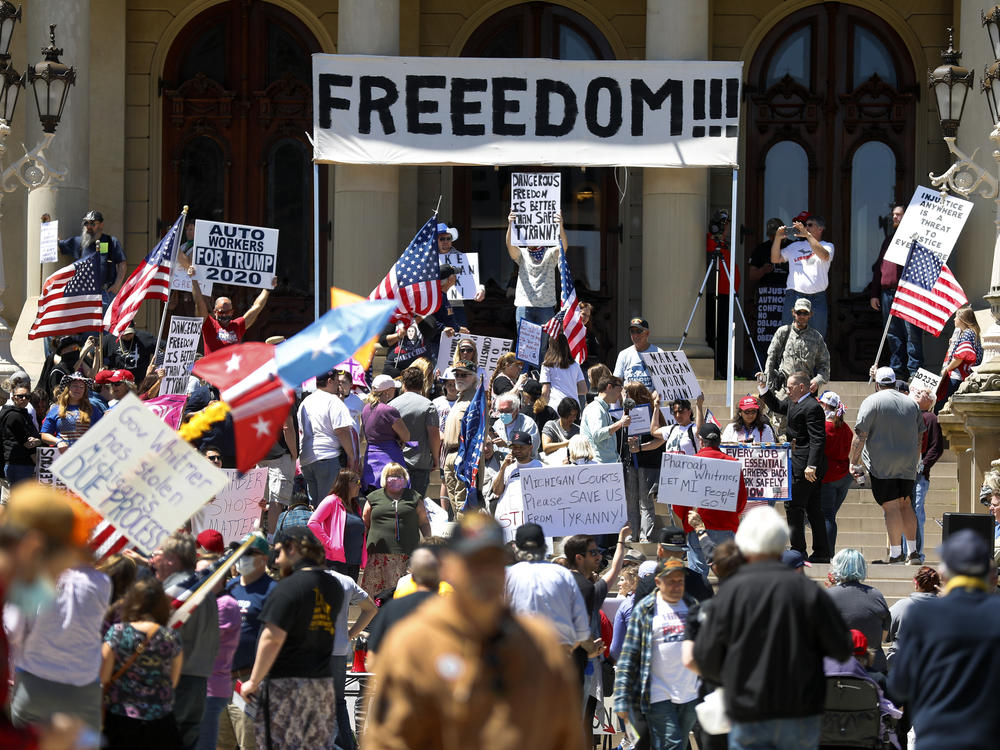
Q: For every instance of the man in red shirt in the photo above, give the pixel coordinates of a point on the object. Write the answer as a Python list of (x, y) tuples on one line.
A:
[(720, 525), (220, 328)]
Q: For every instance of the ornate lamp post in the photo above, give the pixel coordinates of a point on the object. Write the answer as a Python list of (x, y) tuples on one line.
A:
[(50, 81), (971, 419)]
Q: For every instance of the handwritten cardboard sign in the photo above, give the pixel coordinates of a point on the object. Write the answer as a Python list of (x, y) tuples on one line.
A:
[(672, 375), (642, 416), (46, 456), (766, 470), (182, 345), (698, 482), (529, 342), (235, 510), (489, 348), (534, 201), (137, 474), (48, 242), (934, 220), (578, 499), (467, 265), (925, 379)]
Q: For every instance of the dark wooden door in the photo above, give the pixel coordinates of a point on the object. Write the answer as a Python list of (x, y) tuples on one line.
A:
[(237, 105), (831, 107)]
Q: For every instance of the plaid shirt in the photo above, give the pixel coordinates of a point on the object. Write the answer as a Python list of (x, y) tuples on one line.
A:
[(635, 663)]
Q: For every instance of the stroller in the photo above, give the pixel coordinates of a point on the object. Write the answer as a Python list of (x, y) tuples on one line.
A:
[(852, 717)]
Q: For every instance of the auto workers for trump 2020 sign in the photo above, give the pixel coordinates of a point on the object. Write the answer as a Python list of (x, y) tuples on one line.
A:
[(451, 110)]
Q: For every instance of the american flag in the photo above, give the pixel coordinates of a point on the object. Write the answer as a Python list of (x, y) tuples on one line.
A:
[(71, 300), (470, 446), (928, 293), (151, 280), (568, 318), (106, 540), (414, 280)]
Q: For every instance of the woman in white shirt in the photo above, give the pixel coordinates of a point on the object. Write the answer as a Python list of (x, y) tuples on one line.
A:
[(561, 377), (750, 424)]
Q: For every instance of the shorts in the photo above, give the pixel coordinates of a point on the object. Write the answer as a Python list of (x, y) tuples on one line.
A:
[(886, 490)]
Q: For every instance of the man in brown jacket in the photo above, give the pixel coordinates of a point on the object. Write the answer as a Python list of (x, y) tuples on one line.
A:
[(464, 672)]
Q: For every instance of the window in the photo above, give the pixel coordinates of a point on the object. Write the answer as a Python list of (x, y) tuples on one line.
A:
[(873, 178), (786, 184), (871, 58), (792, 59)]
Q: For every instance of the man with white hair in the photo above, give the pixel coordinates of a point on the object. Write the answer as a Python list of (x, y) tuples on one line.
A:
[(764, 639), (510, 420)]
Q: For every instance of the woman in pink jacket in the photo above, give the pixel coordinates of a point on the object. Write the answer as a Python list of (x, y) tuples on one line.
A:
[(337, 523)]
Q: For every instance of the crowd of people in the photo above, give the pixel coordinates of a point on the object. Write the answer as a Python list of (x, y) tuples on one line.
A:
[(474, 642)]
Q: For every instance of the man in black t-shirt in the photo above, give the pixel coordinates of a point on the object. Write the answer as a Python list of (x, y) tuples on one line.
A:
[(291, 673)]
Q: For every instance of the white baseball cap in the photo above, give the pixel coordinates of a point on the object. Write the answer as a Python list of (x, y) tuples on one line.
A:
[(885, 376), (384, 383)]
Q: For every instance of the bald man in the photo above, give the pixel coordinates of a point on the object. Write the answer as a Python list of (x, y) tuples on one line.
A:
[(220, 328)]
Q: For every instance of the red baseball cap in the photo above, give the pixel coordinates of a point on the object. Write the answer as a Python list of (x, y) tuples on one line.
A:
[(104, 376), (803, 215), (211, 540), (118, 376), (749, 402)]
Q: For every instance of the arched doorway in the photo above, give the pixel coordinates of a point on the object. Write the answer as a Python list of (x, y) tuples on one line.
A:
[(830, 128), (237, 105), (589, 197)]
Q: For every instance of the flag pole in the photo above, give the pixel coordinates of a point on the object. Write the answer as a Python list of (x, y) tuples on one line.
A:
[(316, 284), (730, 319), (170, 283), (179, 615), (888, 317), (438, 206)]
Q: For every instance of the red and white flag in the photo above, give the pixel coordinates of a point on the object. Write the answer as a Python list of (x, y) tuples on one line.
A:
[(568, 318), (928, 293), (414, 280), (151, 280)]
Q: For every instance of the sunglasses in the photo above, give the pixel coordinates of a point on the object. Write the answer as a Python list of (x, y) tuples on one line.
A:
[(214, 459), (802, 312), (467, 348), (594, 552), (20, 395), (750, 411), (90, 223)]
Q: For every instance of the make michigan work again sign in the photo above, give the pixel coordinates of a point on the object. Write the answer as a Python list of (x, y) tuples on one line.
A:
[(434, 110)]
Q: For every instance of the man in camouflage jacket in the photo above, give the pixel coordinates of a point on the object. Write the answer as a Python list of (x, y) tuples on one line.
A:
[(796, 347)]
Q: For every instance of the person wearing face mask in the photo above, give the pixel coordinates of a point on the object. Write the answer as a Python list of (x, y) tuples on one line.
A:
[(220, 328), (510, 420), (535, 295), (250, 590), (395, 518)]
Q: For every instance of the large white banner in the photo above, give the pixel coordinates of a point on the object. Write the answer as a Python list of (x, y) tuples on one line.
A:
[(460, 110), (935, 221)]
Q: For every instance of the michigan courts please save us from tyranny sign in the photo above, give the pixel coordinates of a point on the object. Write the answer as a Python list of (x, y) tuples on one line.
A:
[(423, 110)]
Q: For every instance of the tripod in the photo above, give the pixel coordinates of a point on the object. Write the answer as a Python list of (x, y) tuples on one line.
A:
[(719, 259)]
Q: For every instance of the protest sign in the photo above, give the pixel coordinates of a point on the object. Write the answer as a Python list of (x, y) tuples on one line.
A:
[(467, 266), (770, 306), (642, 416), (181, 282), (371, 109), (48, 242), (510, 510), (529, 342), (766, 470), (534, 201), (672, 375), (489, 348), (437, 517), (934, 220), (698, 482), (234, 254), (137, 474), (235, 510), (182, 345), (46, 456), (925, 379), (579, 499)]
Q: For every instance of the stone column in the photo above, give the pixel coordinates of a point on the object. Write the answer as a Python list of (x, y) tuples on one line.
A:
[(675, 201), (366, 198), (959, 441)]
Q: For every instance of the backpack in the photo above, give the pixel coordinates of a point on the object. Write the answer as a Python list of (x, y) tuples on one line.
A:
[(295, 515)]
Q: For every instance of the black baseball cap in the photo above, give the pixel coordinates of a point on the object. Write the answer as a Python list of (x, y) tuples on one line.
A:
[(638, 323), (529, 536), (520, 437), (672, 537), (710, 431), (475, 532)]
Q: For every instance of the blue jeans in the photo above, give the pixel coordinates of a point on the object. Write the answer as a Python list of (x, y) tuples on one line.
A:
[(320, 476), (670, 724), (900, 332), (18, 472), (345, 736), (776, 734), (819, 309), (209, 734), (537, 315), (641, 505), (920, 488), (831, 497), (696, 560)]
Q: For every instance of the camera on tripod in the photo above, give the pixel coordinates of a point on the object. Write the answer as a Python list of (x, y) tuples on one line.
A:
[(717, 224)]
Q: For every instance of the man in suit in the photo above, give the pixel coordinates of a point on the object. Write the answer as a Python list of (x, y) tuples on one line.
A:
[(806, 433)]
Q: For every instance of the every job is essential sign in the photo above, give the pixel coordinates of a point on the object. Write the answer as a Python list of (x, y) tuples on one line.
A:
[(766, 470), (451, 110), (697, 482), (566, 500), (234, 254), (137, 474)]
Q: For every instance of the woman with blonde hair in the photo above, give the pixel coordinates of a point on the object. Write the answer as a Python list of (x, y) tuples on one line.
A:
[(507, 375), (965, 351), (427, 368), (71, 415)]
